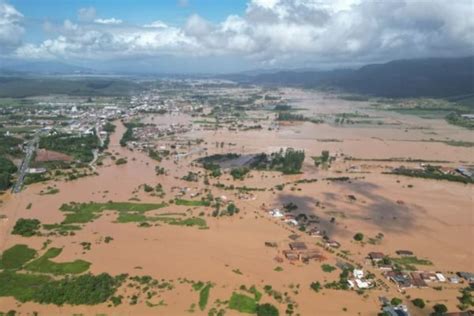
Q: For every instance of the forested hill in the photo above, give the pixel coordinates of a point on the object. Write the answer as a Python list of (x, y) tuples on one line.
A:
[(433, 77)]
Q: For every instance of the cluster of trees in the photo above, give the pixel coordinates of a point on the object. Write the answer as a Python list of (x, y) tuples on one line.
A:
[(82, 290), (128, 135), (456, 119), (289, 161), (215, 169), (7, 168), (287, 116), (26, 227), (239, 173), (79, 147), (8, 147)]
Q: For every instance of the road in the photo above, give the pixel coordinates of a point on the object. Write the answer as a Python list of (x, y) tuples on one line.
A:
[(31, 147)]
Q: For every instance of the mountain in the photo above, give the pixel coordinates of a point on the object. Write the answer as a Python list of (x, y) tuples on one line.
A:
[(431, 77), (41, 68)]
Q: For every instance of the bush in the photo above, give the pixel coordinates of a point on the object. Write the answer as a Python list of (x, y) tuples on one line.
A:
[(316, 286), (26, 227), (358, 237), (395, 301), (418, 302), (440, 309), (267, 310)]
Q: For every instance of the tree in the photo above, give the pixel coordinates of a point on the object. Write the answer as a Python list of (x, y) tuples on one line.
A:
[(395, 301), (359, 237), (26, 227), (315, 286), (267, 310), (440, 309), (418, 302)]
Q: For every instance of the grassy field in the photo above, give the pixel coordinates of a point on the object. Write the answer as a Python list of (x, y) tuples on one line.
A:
[(243, 303), (191, 202), (44, 265), (16, 256), (204, 296), (409, 263), (77, 213)]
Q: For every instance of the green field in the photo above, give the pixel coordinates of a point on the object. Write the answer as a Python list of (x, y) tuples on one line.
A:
[(243, 303), (16, 256), (191, 202), (44, 265), (204, 296), (77, 213)]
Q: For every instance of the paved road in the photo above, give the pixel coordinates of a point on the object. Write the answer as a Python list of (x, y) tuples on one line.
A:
[(25, 163)]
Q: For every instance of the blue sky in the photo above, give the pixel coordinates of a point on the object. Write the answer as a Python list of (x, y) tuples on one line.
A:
[(232, 35), (133, 11)]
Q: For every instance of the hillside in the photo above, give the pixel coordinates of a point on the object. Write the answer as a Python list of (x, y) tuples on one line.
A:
[(433, 77)]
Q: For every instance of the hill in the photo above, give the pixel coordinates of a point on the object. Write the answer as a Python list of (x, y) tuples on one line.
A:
[(432, 77)]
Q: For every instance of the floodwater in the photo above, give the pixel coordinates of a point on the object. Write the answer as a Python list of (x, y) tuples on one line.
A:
[(432, 218)]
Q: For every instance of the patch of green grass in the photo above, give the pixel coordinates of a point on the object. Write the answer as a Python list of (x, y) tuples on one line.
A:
[(408, 263), (44, 265), (204, 296), (198, 286), (243, 303), (191, 202), (16, 256), (61, 227), (87, 212), (328, 268)]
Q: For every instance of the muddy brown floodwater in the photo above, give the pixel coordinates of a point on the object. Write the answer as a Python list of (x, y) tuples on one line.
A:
[(434, 219)]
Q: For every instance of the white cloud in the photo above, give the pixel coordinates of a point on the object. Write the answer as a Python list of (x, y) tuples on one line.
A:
[(108, 21), (278, 31), (11, 29), (86, 14), (156, 24)]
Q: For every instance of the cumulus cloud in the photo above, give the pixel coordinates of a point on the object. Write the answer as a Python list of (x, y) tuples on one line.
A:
[(108, 21), (278, 32), (86, 14), (11, 29)]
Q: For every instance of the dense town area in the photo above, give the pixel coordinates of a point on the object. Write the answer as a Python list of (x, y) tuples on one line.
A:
[(213, 198)]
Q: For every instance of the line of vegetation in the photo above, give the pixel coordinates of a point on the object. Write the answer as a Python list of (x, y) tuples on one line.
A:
[(430, 172), (77, 213)]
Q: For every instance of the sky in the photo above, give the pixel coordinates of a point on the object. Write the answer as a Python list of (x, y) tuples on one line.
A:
[(219, 36)]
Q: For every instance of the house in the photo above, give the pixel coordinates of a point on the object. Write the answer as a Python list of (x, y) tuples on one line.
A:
[(417, 280), (376, 256), (298, 245), (454, 279), (428, 276), (292, 222), (358, 273), (440, 277), (400, 310), (402, 280), (467, 276), (404, 253), (276, 213), (363, 284), (314, 232), (291, 255), (333, 244)]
